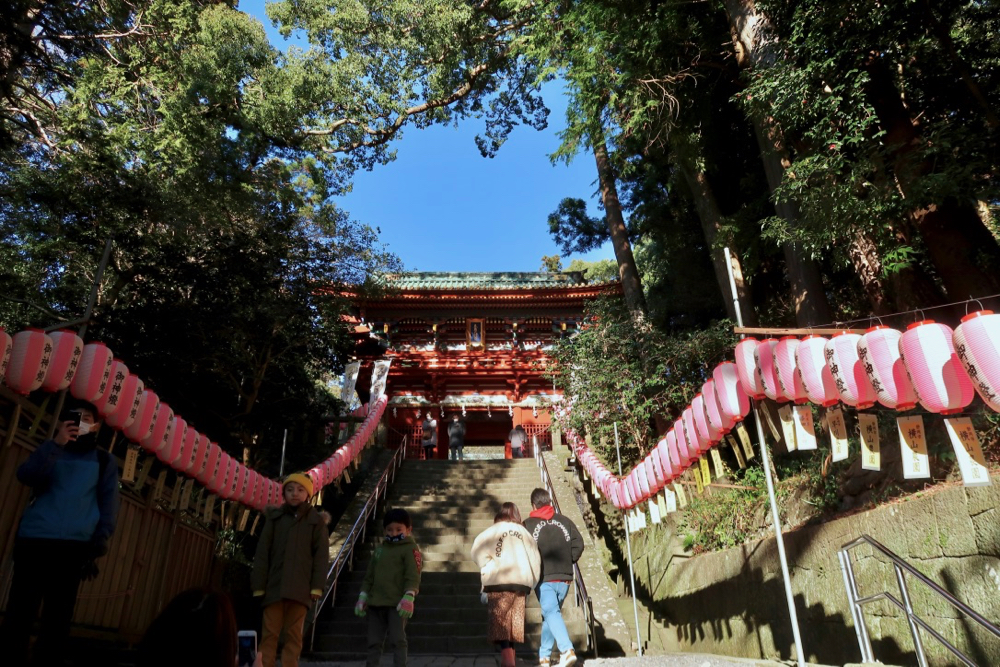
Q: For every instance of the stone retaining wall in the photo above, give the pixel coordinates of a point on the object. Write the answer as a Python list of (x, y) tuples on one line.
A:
[(733, 602)]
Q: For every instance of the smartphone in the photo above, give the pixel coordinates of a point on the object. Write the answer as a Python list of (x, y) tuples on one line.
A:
[(246, 640)]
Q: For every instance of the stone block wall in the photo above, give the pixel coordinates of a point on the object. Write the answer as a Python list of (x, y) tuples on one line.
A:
[(733, 602)]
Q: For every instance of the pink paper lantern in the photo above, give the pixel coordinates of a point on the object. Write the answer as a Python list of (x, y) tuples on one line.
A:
[(171, 450), (6, 344), (734, 404), (848, 372), (707, 434), (240, 490), (130, 401), (110, 398), (654, 460), (815, 375), (691, 433), (217, 478), (160, 435), (666, 463), (210, 467), (185, 461), (716, 419), (677, 461), (790, 385), (683, 450), (747, 369), (878, 350), (145, 419), (768, 371), (67, 348), (29, 361), (229, 479), (642, 480), (93, 373), (977, 343), (655, 480), (934, 368)]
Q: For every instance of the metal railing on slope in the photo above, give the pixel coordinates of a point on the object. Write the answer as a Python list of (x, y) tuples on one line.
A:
[(902, 568), (583, 599), (356, 536)]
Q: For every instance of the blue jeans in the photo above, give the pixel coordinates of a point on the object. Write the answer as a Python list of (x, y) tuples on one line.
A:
[(551, 595)]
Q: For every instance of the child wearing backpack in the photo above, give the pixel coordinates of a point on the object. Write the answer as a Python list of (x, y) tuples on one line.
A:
[(391, 583)]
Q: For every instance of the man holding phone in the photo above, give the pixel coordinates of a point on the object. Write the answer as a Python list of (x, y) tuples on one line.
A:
[(66, 526)]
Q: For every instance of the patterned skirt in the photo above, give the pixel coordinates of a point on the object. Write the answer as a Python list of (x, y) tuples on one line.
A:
[(506, 617)]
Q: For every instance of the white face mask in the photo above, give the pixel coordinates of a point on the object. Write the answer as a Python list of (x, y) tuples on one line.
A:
[(85, 428)]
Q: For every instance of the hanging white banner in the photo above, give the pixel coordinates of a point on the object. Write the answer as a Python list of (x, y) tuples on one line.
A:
[(968, 451), (871, 454), (805, 429), (913, 447), (350, 380), (838, 433), (380, 374)]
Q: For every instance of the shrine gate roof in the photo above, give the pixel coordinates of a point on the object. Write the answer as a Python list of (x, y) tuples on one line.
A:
[(503, 280)]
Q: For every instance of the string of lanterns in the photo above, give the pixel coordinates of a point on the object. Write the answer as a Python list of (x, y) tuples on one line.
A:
[(929, 364), (32, 359)]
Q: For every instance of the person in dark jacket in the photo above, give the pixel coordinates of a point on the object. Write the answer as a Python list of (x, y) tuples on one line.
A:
[(456, 438), (289, 569), (390, 587), (560, 545), (66, 526), (518, 437), (429, 430)]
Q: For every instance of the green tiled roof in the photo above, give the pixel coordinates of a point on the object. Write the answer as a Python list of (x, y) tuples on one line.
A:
[(498, 280)]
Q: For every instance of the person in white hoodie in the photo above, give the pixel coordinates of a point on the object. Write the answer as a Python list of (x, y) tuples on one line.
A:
[(510, 567)]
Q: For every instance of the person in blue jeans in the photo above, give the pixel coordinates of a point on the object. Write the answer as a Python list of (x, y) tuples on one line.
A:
[(560, 545)]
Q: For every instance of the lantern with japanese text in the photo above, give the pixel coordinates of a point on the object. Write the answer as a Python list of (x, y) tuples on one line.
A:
[(733, 401), (764, 358), (707, 435), (171, 450), (717, 420), (184, 459), (683, 451), (110, 398), (817, 380), (747, 369), (690, 432), (218, 475), (658, 473), (977, 343), (145, 418), (642, 479), (67, 348), (29, 360), (878, 350), (677, 462), (93, 373), (934, 368), (848, 372), (159, 436), (131, 403), (790, 386), (211, 464)]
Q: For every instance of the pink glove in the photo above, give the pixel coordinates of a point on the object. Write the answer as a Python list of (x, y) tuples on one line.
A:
[(405, 606)]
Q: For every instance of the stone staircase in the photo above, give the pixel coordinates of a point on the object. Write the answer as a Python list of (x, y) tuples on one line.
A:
[(450, 503)]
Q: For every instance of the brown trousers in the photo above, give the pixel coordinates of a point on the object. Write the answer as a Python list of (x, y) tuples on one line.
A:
[(286, 617)]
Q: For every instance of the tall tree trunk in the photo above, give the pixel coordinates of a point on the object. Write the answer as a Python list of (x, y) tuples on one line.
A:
[(804, 279), (711, 223), (627, 270), (962, 249), (756, 46), (867, 264)]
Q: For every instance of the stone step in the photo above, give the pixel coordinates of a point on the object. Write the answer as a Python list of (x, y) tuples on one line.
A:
[(446, 638)]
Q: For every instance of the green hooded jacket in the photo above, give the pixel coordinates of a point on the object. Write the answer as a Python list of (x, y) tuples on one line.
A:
[(293, 555), (394, 569)]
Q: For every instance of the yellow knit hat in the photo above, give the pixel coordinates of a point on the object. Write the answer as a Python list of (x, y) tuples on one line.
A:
[(300, 478)]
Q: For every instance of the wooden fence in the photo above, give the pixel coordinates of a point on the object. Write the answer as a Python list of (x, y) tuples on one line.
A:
[(157, 549)]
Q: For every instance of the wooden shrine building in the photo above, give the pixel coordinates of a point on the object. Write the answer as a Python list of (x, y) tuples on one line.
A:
[(476, 344)]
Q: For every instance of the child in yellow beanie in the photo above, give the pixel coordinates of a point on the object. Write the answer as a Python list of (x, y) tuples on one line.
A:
[(290, 568)]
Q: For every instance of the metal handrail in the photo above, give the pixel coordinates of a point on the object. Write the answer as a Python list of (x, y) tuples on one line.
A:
[(583, 599), (345, 557), (915, 622)]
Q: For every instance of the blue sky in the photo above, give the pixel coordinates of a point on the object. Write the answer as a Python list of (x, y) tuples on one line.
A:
[(441, 206)]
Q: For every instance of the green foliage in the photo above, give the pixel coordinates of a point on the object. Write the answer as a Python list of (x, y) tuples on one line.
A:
[(726, 518), (612, 373), (600, 270)]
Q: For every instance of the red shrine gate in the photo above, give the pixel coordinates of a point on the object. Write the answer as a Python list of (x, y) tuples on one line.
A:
[(472, 344)]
